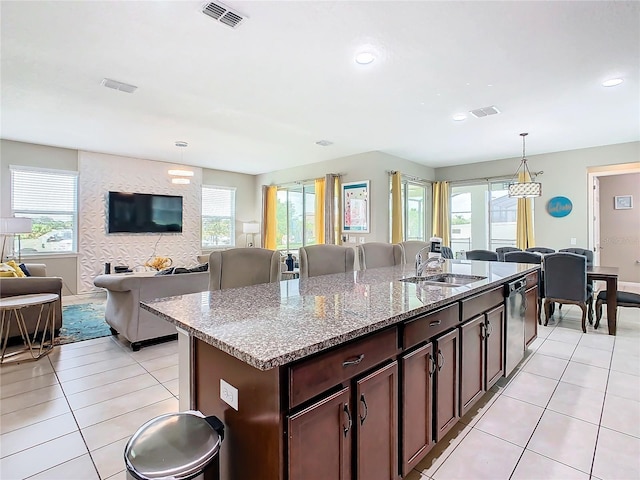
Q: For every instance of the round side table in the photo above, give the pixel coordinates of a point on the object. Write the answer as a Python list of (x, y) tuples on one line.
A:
[(11, 309)]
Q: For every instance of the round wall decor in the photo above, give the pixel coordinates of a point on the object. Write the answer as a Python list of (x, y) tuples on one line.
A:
[(559, 207)]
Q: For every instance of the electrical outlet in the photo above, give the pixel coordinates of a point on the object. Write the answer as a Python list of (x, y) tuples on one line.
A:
[(361, 239), (229, 394), (574, 241)]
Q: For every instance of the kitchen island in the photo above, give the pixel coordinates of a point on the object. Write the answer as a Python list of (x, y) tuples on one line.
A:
[(344, 376)]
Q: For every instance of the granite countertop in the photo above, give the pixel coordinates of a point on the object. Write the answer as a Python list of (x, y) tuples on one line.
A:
[(273, 324)]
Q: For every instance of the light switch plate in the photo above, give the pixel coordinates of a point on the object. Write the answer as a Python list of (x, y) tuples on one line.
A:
[(361, 239), (352, 239), (574, 241), (229, 394)]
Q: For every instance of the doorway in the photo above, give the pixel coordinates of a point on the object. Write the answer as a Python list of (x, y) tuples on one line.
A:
[(614, 232)]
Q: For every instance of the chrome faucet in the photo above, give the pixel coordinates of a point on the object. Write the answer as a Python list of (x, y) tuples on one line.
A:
[(422, 265)]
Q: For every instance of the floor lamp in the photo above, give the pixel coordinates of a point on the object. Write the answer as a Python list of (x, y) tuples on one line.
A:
[(13, 226), (250, 228)]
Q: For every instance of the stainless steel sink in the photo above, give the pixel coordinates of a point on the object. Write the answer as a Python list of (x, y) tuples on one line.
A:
[(444, 279)]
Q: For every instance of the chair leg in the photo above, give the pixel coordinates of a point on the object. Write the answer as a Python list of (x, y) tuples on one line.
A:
[(539, 311), (590, 310), (598, 313), (547, 311), (583, 307)]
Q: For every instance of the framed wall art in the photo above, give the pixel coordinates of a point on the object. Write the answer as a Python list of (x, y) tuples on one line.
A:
[(355, 207), (623, 202)]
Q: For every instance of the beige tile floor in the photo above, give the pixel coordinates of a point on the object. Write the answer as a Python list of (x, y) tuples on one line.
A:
[(571, 410)]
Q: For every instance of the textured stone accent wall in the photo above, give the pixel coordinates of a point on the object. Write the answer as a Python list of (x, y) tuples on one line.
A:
[(99, 174)]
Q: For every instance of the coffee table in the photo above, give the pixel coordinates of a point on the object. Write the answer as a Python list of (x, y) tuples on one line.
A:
[(11, 309)]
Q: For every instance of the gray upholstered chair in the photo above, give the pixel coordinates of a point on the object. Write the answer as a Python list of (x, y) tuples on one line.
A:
[(318, 260), (588, 254), (502, 250), (241, 267), (533, 258), (378, 254), (446, 252), (410, 249), (565, 276), (543, 250), (624, 299), (487, 255)]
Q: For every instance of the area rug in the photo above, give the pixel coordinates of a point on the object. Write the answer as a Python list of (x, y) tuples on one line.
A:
[(82, 321)]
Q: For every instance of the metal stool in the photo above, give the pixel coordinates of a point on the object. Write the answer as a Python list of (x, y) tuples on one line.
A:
[(176, 446)]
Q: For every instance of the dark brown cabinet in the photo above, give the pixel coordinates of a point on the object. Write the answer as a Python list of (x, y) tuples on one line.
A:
[(376, 425), (418, 369), (447, 381), (320, 439), (482, 353)]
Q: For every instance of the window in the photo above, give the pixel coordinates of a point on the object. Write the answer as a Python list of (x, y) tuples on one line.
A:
[(483, 216), (49, 199), (295, 216), (414, 195), (218, 217)]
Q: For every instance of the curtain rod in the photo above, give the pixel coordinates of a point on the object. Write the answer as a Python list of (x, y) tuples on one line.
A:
[(410, 177), (487, 179), (306, 180)]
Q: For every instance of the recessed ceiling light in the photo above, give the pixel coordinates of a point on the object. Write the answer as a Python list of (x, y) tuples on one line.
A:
[(365, 58), (612, 82), (181, 173), (458, 117), (324, 143)]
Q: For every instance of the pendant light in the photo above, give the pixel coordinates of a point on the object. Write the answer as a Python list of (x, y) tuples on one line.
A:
[(181, 175), (524, 189)]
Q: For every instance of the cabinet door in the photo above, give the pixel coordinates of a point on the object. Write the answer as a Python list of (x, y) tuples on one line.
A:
[(531, 316), (418, 369), (447, 413), (376, 423), (320, 439), (495, 325), (472, 371)]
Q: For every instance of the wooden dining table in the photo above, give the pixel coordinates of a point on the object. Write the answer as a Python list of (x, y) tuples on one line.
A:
[(609, 275)]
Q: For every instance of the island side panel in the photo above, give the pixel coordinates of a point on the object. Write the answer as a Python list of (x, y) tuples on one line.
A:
[(253, 442)]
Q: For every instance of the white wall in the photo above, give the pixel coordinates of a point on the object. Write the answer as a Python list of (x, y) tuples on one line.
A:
[(372, 166), (565, 174)]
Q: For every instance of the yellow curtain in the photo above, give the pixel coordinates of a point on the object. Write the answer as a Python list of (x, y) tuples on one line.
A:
[(320, 195), (441, 213), (524, 218), (269, 194), (396, 208)]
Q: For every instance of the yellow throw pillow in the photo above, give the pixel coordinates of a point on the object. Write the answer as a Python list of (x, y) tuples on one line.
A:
[(16, 268), (7, 274)]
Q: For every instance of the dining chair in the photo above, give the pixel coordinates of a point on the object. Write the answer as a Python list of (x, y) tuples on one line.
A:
[(534, 258), (318, 260), (379, 254), (241, 267), (565, 281), (543, 250), (446, 252), (588, 254), (624, 299), (410, 249), (502, 250), (487, 255)]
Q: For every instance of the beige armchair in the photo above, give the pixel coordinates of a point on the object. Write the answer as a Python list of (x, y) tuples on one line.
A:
[(378, 254), (38, 282), (410, 249), (318, 260), (241, 267)]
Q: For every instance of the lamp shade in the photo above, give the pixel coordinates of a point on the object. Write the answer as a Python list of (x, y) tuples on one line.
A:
[(250, 227), (525, 189), (14, 225)]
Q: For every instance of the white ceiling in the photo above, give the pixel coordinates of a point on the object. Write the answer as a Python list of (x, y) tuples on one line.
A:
[(256, 99)]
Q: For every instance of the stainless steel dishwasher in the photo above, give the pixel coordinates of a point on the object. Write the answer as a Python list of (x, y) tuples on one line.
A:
[(515, 305)]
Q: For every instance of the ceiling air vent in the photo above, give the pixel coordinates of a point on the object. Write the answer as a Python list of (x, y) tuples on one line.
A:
[(223, 14), (484, 111)]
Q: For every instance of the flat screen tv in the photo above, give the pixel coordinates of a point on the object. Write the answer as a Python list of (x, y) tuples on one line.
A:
[(144, 213)]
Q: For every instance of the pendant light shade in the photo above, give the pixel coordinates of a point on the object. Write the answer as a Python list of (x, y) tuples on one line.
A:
[(524, 187)]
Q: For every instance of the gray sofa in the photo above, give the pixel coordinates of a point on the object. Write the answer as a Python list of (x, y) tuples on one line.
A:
[(38, 282), (124, 293)]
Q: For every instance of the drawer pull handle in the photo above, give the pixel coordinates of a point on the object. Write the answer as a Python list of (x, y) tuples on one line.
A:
[(355, 361), (348, 427), (435, 322), (440, 356), (432, 365), (482, 331), (489, 328), (366, 410)]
